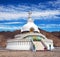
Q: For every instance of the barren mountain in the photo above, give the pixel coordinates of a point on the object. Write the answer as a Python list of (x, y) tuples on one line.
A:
[(56, 34), (49, 35), (4, 36)]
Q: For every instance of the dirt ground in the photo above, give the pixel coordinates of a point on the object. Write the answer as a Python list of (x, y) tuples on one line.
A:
[(7, 53)]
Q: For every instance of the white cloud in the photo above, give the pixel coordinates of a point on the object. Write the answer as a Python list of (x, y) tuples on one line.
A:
[(8, 15), (12, 23), (50, 5), (46, 13), (55, 4), (49, 26), (43, 26), (24, 15), (4, 27), (11, 12)]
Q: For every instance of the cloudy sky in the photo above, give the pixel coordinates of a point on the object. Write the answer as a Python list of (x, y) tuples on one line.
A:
[(14, 14)]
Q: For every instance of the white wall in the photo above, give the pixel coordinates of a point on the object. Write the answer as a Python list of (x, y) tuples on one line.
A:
[(19, 46)]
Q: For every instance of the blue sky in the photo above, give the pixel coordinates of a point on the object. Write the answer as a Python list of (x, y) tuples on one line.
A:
[(14, 14)]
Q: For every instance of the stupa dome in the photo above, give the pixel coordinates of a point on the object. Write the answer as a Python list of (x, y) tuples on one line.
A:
[(30, 24)]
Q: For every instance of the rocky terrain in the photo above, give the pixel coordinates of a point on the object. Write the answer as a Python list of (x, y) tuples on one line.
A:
[(50, 35), (4, 36), (56, 33)]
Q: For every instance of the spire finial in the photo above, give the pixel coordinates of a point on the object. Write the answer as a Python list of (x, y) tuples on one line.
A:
[(29, 14), (29, 17)]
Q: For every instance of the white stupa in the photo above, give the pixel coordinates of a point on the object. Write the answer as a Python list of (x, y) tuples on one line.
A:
[(31, 40), (30, 24)]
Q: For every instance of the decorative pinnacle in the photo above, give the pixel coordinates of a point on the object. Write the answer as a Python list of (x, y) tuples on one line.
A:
[(29, 14)]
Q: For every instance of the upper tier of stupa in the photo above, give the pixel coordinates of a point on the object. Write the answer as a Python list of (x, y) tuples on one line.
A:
[(30, 24)]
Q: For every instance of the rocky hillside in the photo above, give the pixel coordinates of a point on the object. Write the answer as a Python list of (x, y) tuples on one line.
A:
[(56, 33), (49, 35), (4, 36)]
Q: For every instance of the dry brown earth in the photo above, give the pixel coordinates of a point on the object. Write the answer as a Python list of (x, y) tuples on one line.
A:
[(6, 53)]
